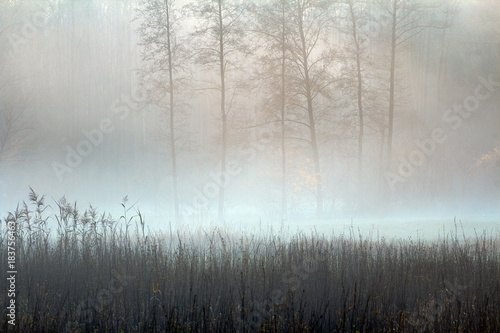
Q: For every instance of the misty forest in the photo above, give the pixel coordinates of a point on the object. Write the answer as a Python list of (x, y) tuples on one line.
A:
[(250, 166)]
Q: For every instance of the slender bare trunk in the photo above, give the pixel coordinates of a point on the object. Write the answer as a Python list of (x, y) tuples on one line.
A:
[(392, 84), (223, 179), (283, 151), (173, 154), (312, 120), (360, 103)]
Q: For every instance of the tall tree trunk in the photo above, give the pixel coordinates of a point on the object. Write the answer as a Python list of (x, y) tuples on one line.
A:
[(283, 151), (223, 180), (360, 104), (312, 124), (317, 170), (392, 84), (381, 162), (173, 154)]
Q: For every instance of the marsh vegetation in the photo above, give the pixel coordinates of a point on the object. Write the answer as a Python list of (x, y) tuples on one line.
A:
[(95, 273)]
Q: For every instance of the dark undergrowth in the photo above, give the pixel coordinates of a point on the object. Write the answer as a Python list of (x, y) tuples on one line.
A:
[(95, 274)]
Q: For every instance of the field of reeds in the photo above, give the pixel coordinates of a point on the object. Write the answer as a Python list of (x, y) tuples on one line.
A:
[(92, 273)]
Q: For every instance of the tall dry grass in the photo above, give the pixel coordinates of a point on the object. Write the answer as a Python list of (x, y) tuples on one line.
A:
[(96, 274)]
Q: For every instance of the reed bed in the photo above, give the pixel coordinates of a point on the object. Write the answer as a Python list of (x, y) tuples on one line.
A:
[(93, 273)]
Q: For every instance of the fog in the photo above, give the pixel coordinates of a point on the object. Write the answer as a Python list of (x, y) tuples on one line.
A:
[(86, 98)]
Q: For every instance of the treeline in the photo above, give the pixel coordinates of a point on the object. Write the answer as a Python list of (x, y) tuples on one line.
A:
[(351, 97), (299, 107)]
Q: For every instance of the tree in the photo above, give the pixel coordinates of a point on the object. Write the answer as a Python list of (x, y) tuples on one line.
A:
[(272, 30), (407, 19), (163, 56), (356, 54), (219, 39), (310, 59)]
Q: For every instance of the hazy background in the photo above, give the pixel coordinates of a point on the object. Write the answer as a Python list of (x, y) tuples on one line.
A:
[(68, 66)]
